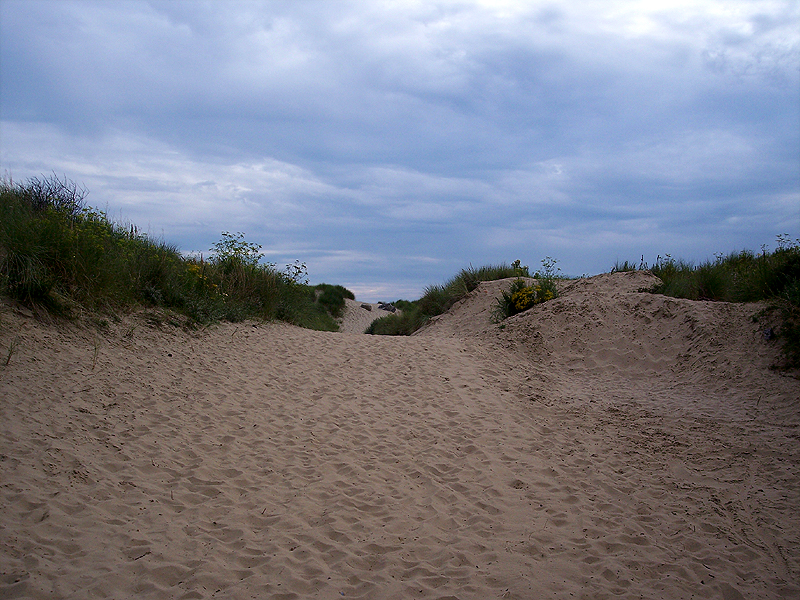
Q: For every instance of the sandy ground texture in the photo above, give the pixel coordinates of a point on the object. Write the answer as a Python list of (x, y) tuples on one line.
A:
[(608, 444), (357, 317)]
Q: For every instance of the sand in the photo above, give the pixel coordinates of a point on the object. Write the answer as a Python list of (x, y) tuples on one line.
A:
[(608, 444), (357, 317)]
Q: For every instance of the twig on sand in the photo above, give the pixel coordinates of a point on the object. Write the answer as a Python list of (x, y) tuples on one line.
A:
[(95, 351), (11, 348)]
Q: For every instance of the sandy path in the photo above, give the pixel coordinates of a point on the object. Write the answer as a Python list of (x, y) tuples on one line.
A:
[(272, 462)]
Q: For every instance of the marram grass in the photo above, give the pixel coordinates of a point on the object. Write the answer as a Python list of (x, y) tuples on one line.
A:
[(770, 276), (57, 253)]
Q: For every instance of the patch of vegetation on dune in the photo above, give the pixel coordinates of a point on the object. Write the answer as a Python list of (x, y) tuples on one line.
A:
[(332, 298), (742, 276), (438, 299), (522, 296), (58, 254)]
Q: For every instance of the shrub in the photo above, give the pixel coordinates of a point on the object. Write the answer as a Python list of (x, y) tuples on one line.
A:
[(520, 296), (332, 298)]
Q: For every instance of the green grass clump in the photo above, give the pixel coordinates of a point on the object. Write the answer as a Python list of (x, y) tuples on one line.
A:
[(438, 299), (332, 297), (628, 266), (57, 253), (738, 277), (405, 322)]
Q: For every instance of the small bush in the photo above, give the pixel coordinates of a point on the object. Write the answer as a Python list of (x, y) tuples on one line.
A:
[(520, 296), (332, 298)]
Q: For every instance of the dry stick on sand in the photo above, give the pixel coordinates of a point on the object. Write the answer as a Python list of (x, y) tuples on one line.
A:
[(12, 346), (95, 351)]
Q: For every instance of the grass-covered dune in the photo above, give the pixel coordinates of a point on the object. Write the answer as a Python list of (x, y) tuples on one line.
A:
[(60, 254), (743, 276), (438, 299), (773, 277)]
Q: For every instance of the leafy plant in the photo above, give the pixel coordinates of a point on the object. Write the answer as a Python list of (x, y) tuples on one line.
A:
[(519, 270), (549, 269), (521, 296), (296, 273), (233, 249)]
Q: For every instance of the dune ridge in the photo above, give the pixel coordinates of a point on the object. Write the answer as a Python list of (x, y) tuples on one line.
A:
[(609, 443)]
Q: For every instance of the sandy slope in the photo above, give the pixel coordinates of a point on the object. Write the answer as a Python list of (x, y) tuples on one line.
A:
[(357, 318), (610, 443)]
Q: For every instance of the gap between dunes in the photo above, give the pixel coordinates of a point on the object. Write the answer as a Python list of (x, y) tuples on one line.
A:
[(609, 443)]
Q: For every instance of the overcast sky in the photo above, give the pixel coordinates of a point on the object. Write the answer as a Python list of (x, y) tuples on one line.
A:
[(389, 144)]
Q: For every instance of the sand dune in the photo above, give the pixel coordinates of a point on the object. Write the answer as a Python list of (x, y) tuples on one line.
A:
[(610, 443), (357, 317)]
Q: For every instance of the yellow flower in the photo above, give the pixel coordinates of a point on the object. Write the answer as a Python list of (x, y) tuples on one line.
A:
[(523, 298)]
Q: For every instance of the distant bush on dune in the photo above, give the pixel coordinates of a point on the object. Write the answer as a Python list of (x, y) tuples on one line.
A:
[(521, 296), (332, 297)]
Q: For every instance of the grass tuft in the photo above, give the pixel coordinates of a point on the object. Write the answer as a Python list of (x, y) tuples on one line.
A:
[(332, 298)]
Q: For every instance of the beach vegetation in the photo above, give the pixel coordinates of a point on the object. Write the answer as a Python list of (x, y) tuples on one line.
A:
[(60, 255), (524, 294), (12, 346), (439, 298), (743, 276), (404, 322), (332, 298)]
